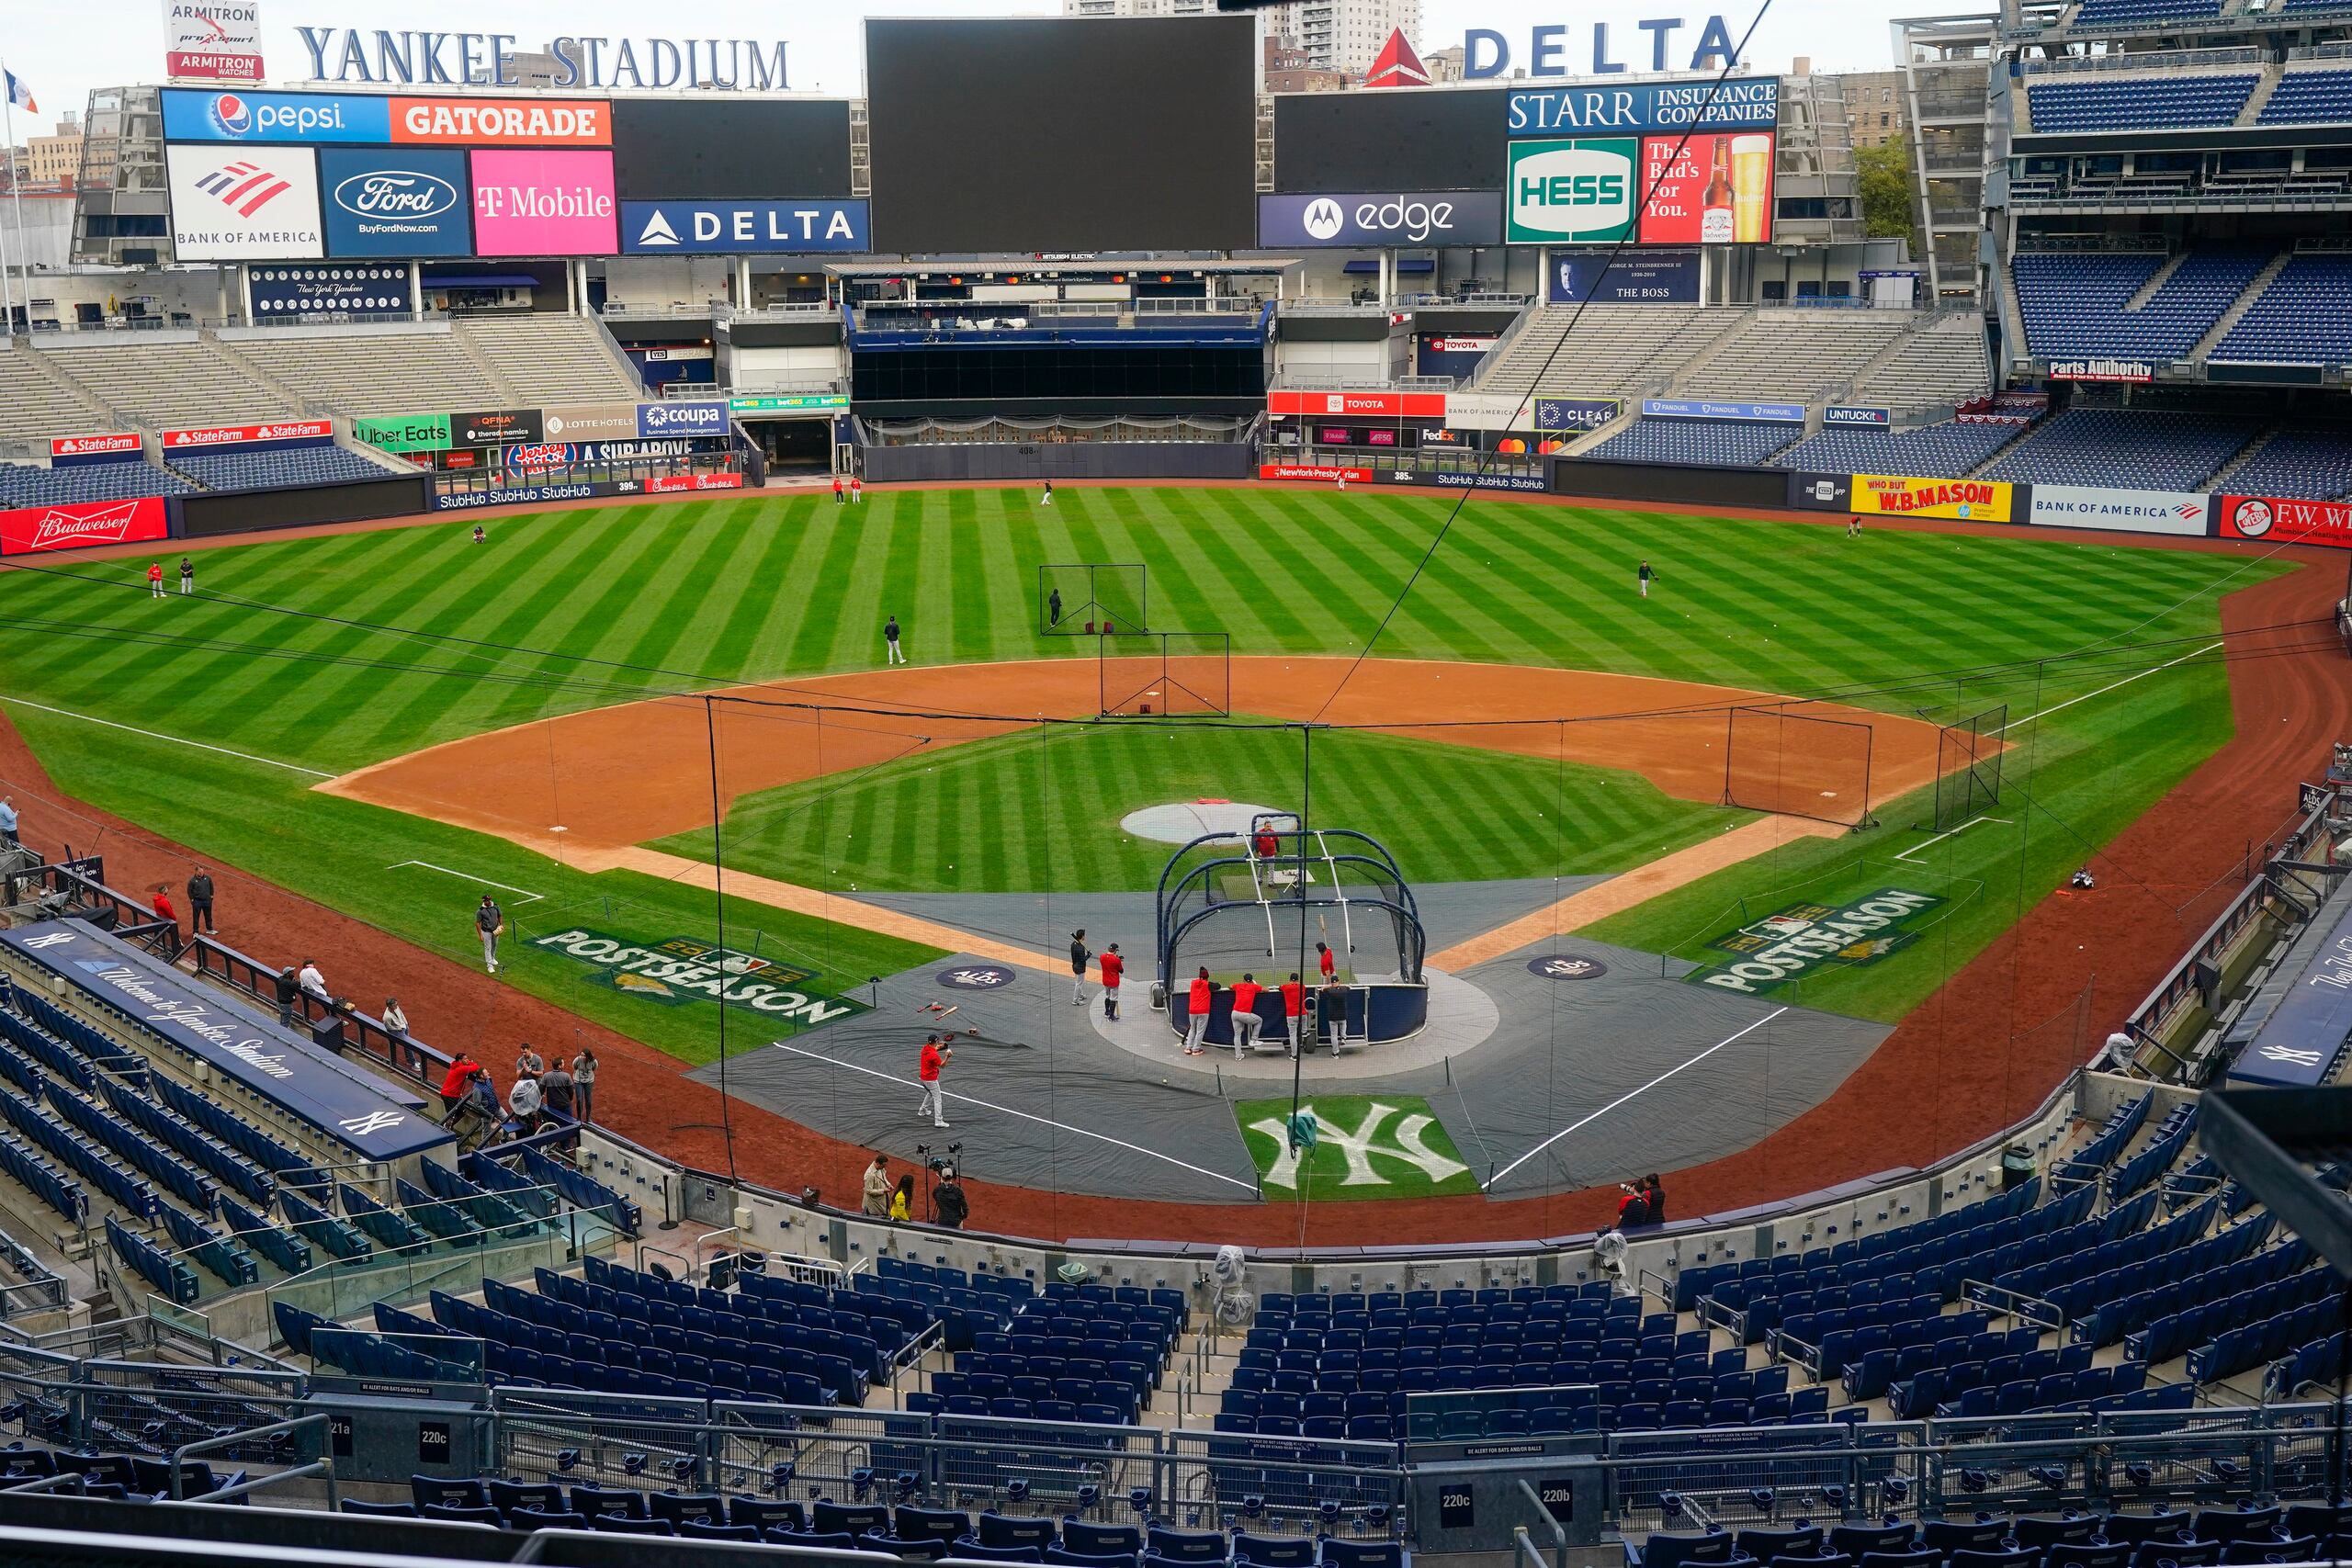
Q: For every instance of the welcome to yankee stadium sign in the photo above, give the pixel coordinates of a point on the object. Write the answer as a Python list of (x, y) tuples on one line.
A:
[(1794, 942)]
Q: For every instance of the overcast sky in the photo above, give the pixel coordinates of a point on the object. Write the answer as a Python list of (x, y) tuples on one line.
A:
[(64, 48)]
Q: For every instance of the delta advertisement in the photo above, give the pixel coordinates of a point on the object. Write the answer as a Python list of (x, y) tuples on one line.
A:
[(1970, 501), (544, 203), (2280, 521), (72, 525), (743, 227), (243, 204), (1624, 277), (2126, 510)]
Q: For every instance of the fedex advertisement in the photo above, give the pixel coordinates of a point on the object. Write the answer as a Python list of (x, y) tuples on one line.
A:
[(75, 525), (195, 115), (544, 203)]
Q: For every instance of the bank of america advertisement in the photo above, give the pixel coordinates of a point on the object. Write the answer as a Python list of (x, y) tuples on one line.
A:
[(244, 203)]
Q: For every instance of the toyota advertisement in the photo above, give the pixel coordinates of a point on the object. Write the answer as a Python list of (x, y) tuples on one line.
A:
[(544, 203), (1372, 220), (243, 203), (71, 525), (396, 202)]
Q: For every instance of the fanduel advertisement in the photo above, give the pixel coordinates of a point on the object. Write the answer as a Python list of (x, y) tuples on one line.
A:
[(1377, 219), (243, 203), (540, 203), (742, 228), (193, 115), (1579, 191), (395, 203), (279, 292)]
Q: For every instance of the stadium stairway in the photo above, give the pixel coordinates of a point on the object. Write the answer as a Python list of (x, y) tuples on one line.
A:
[(38, 400), (2204, 346), (546, 358)]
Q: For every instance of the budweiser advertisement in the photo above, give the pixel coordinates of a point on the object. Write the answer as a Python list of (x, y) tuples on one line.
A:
[(1374, 405), (2278, 521), (1313, 471), (240, 434), (73, 526)]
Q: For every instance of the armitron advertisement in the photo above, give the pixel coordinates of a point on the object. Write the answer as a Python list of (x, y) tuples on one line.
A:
[(2279, 520), (213, 40), (71, 525), (1970, 501)]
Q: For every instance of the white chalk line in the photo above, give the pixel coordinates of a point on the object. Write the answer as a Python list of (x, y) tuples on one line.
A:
[(1963, 828), (2087, 696), (174, 740), (528, 896)]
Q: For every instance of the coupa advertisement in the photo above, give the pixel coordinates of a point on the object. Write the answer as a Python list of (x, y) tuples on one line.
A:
[(1969, 501), (679, 971)]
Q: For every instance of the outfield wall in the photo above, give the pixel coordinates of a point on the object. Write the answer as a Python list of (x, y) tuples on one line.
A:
[(943, 464), (210, 514)]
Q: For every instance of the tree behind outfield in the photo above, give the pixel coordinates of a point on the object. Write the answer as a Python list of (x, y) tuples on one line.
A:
[(1890, 200)]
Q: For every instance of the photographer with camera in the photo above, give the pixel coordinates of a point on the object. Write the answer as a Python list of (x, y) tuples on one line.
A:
[(948, 1199)]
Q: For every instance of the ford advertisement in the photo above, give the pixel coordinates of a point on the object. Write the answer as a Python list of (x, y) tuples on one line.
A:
[(395, 202)]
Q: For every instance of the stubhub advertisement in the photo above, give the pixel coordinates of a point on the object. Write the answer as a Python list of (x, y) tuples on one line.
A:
[(395, 202), (540, 202), (192, 115)]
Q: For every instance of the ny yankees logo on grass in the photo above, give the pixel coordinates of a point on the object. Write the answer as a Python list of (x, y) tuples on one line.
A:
[(1388, 1147)]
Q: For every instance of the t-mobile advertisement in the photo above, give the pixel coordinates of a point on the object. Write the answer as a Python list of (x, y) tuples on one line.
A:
[(531, 202)]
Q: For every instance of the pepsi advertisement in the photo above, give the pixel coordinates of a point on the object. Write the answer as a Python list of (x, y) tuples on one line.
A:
[(195, 115), (395, 201), (1635, 277)]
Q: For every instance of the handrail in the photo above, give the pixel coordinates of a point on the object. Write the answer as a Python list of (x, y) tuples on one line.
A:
[(324, 1465), (1559, 1535)]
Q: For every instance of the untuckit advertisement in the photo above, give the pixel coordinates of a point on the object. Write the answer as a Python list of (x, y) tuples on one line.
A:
[(1574, 192), (243, 203), (536, 203), (501, 123), (1709, 190), (1969, 501), (2279, 520), (2128, 511), (395, 202), (71, 525)]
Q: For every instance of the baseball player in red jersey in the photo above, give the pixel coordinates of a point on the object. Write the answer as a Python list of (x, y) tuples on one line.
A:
[(1325, 958), (1245, 1021), (934, 1061), (1293, 1010), (1112, 967), (1198, 999)]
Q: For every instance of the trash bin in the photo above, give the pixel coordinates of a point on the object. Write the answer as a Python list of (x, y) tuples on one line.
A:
[(2016, 1166)]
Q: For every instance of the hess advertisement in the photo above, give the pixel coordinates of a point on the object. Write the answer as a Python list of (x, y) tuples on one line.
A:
[(1578, 191), (539, 203), (1716, 190), (243, 203)]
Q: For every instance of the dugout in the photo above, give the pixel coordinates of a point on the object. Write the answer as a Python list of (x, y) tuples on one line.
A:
[(1258, 902)]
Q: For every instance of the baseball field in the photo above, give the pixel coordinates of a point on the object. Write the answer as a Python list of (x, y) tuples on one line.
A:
[(214, 720)]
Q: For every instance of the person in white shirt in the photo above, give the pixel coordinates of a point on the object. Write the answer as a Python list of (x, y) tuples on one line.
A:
[(313, 981), (395, 1019)]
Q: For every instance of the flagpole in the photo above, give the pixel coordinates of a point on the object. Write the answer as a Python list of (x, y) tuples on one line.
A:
[(16, 177), (17, 196)]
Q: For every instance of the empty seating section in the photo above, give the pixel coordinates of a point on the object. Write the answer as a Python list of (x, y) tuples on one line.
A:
[(2072, 1537), (1943, 362), (33, 407), (1795, 355), (2077, 304), (374, 373), (1615, 348), (2305, 97), (277, 469), (2124, 13), (549, 359), (1723, 441), (1072, 1354), (1946, 451), (27, 484), (2305, 317), (2138, 103), (171, 386), (2310, 465), (2140, 450), (2106, 1146)]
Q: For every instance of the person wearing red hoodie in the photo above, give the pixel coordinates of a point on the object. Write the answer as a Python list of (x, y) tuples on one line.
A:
[(1293, 1010), (934, 1061), (1198, 999), (455, 1081), (1245, 1021)]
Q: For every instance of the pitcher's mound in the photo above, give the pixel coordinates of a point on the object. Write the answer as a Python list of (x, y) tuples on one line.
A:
[(1186, 821)]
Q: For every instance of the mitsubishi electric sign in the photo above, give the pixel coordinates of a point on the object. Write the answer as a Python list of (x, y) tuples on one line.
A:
[(743, 228), (1383, 219)]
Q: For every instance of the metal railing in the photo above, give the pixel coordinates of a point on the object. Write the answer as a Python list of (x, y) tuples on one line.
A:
[(403, 1052)]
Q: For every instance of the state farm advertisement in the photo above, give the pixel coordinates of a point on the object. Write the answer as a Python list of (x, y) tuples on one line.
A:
[(501, 122), (1376, 405), (2278, 521), (74, 526), (544, 204), (658, 484), (115, 444), (241, 435), (1311, 471)]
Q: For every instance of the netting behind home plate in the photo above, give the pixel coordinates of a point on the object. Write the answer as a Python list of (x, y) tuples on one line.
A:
[(1794, 763)]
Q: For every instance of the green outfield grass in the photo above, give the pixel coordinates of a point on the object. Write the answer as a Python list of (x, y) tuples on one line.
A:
[(728, 589)]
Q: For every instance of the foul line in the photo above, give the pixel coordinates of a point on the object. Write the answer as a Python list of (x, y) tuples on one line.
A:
[(528, 895), (2087, 696), (1963, 828), (174, 740), (1622, 1099), (1249, 1187)]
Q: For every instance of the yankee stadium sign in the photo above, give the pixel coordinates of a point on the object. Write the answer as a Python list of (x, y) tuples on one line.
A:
[(488, 59)]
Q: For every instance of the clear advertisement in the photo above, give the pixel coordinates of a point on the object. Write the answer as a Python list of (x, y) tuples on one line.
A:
[(743, 228), (2283, 522), (213, 40), (1370, 219), (499, 122), (1709, 190), (280, 293), (193, 114), (71, 525), (1750, 103), (383, 202), (1625, 278), (1576, 413), (544, 204), (2127, 511), (243, 203), (1970, 501), (1579, 191)]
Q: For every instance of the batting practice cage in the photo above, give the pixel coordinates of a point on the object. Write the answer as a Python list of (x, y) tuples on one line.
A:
[(1179, 674), (1784, 759), (1082, 599), (1968, 767)]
